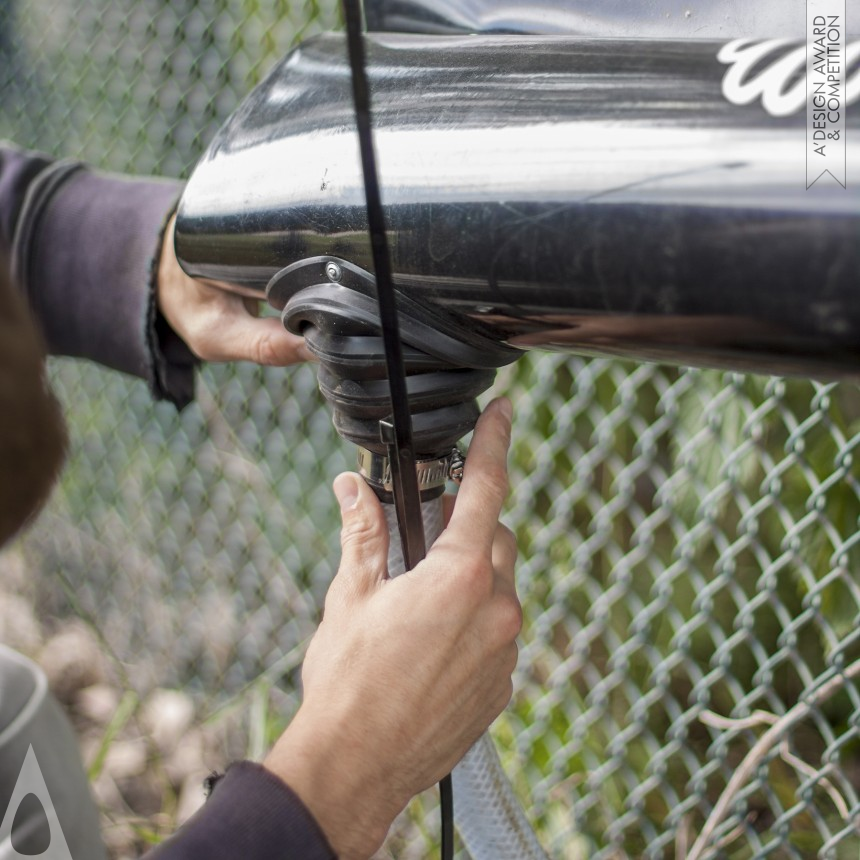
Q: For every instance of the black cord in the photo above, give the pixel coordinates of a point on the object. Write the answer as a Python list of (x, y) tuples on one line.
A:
[(446, 802), (399, 436), (397, 433)]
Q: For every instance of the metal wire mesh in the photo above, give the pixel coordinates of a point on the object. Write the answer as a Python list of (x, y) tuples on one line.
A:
[(689, 539)]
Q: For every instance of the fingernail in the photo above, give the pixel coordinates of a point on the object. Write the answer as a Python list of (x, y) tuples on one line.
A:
[(346, 491), (506, 408)]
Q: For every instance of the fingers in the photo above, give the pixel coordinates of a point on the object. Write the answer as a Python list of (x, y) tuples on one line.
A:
[(363, 536), (239, 336), (252, 306), (218, 322), (504, 555), (485, 480), (448, 502), (504, 550)]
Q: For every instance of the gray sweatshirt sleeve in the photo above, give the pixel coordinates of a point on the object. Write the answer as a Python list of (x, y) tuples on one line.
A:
[(84, 246)]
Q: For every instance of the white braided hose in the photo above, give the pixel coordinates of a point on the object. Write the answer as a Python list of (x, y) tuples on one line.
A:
[(488, 816)]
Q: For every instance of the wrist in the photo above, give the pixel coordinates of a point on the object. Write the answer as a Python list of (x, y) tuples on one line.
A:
[(339, 783)]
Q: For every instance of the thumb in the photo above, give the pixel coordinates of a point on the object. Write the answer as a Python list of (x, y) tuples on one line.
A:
[(364, 534)]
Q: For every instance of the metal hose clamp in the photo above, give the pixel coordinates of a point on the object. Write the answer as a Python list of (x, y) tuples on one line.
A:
[(432, 474)]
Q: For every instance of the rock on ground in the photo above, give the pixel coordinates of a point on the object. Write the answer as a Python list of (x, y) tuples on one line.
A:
[(72, 659)]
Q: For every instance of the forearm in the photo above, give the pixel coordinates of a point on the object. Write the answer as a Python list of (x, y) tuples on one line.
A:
[(250, 814), (84, 247)]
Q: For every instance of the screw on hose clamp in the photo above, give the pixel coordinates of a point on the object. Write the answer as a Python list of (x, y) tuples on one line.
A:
[(432, 474), (456, 465)]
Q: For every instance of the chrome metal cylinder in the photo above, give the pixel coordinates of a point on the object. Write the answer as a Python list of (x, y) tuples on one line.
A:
[(609, 196)]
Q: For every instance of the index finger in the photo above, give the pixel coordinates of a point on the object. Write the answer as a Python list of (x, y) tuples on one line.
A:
[(485, 478)]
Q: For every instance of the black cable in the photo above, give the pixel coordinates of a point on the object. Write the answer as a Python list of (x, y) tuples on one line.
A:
[(398, 432), (407, 500), (446, 802)]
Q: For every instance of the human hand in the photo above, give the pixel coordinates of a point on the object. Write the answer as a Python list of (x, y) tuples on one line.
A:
[(219, 325), (403, 675)]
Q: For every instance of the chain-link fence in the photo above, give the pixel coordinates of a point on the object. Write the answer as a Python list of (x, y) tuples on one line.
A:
[(689, 539)]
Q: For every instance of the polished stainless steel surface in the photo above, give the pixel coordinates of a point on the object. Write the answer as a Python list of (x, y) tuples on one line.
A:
[(595, 195), (687, 19)]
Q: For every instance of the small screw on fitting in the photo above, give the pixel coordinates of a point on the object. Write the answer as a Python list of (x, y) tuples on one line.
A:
[(334, 272), (456, 465)]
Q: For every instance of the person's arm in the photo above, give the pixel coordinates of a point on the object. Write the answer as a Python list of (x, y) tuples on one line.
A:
[(83, 247), (93, 253), (401, 678), (250, 814)]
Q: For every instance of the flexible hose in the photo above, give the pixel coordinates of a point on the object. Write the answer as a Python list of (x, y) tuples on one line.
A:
[(431, 513), (488, 815), (489, 818)]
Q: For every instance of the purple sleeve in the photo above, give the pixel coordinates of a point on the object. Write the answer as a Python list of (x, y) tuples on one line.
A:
[(253, 815), (83, 247)]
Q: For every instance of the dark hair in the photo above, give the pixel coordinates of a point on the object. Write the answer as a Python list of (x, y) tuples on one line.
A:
[(32, 433)]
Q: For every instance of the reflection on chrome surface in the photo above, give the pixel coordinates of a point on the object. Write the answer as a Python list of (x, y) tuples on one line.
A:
[(583, 194)]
